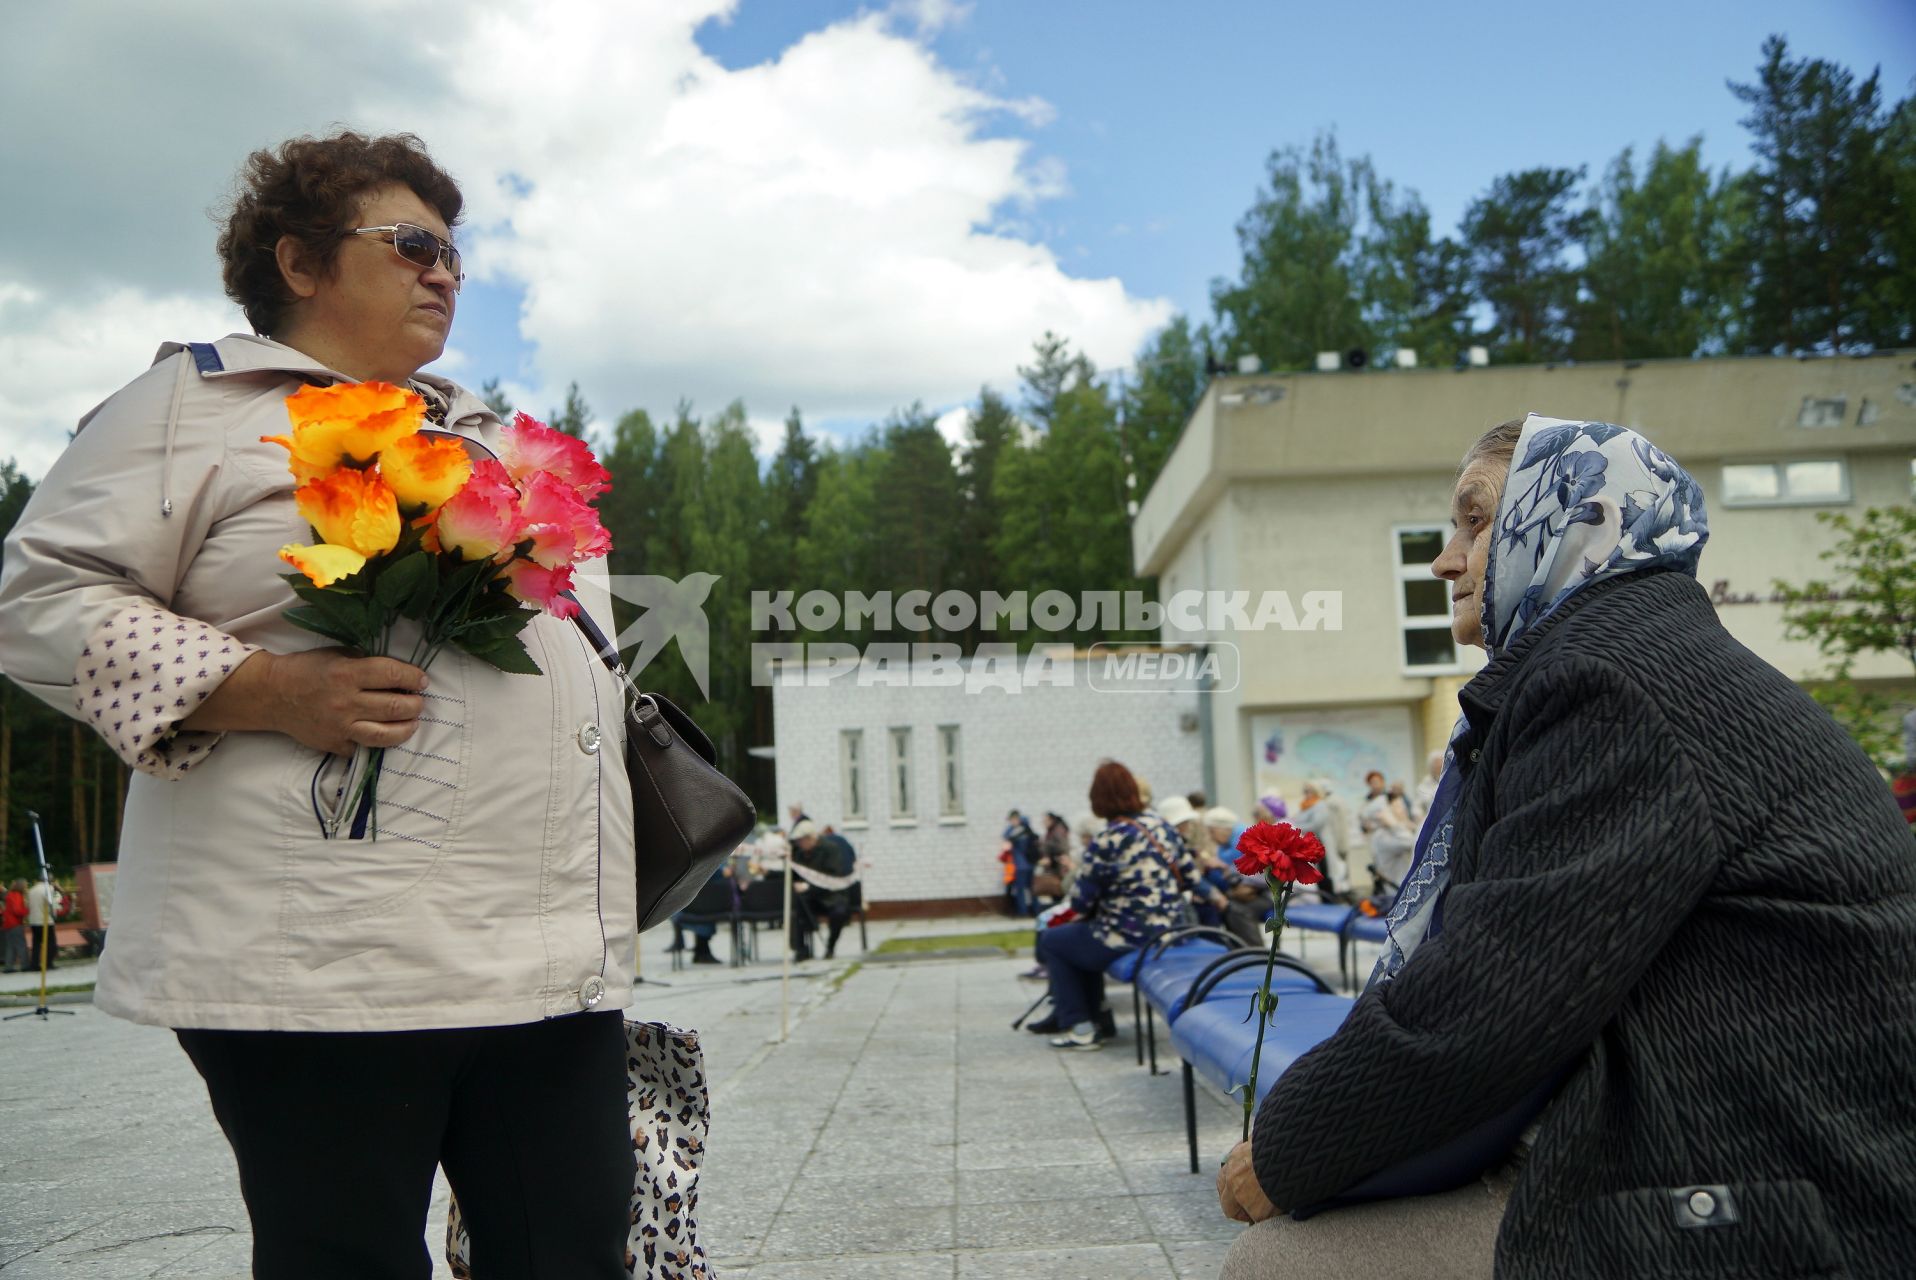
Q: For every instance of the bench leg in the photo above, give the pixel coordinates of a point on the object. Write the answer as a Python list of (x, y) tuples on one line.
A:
[(1190, 1113), (1151, 1034), (1137, 1019)]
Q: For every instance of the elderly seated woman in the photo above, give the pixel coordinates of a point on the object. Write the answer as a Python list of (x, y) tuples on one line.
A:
[(1130, 888), (1692, 1008)]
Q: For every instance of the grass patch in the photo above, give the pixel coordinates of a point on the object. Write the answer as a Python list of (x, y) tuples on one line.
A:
[(843, 976), (32, 994), (1010, 941)]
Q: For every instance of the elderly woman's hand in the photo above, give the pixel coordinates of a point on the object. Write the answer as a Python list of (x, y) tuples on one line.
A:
[(325, 699), (1238, 1192)]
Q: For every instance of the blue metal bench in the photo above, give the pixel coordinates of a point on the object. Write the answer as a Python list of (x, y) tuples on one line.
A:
[(1134, 966), (1167, 985), (1215, 1039)]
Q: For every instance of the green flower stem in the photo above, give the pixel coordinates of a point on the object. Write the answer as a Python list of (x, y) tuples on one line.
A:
[(1266, 1002)]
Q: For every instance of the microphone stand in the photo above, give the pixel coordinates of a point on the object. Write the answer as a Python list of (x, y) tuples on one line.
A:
[(46, 931)]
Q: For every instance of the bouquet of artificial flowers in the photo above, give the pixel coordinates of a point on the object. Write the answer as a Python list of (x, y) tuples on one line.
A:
[(407, 525)]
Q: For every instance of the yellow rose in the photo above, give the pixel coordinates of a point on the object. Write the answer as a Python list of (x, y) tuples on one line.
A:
[(345, 425), (323, 564), (422, 472), (353, 509)]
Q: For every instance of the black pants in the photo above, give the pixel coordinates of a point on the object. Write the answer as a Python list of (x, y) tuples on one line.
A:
[(338, 1134)]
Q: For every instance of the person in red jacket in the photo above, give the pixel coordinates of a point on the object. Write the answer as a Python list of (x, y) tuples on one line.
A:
[(13, 928)]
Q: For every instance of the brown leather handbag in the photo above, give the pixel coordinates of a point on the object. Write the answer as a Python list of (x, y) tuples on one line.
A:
[(687, 817)]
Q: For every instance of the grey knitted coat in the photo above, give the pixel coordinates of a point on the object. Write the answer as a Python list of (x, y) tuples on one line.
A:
[(1672, 873)]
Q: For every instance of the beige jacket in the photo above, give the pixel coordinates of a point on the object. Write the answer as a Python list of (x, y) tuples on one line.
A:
[(500, 888)]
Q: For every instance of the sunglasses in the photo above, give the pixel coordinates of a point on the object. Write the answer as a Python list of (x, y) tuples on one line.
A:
[(420, 247)]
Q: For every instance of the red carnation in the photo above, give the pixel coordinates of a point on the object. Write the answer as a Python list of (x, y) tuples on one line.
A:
[(1280, 851)]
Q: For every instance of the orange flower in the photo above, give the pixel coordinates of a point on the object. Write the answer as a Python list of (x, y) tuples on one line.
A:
[(324, 564), (423, 472), (352, 509), (347, 424)]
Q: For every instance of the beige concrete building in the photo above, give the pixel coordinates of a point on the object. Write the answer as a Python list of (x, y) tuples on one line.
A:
[(1341, 482)]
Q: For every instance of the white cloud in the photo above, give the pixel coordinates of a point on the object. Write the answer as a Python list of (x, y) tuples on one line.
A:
[(845, 227), (57, 361), (952, 425)]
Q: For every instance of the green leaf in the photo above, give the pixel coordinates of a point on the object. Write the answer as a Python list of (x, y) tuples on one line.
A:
[(407, 585), (312, 620), (508, 654)]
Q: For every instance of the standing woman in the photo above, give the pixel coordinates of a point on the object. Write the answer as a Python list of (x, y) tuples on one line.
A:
[(362, 1011), (1684, 998)]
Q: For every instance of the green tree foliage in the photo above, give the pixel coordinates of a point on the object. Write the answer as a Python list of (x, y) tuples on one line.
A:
[(1662, 259), (1170, 376), (575, 417), (1416, 286), (790, 485), (838, 552), (1054, 370), (1868, 607), (48, 763), (918, 508), (1063, 525), (1298, 290), (495, 399), (1826, 229), (1519, 235)]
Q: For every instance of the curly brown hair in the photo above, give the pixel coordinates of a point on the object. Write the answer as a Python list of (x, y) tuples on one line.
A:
[(309, 189)]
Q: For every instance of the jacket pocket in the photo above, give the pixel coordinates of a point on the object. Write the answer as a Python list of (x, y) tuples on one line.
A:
[(1778, 1230), (417, 801)]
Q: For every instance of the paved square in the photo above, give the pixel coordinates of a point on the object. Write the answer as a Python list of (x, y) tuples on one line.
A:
[(901, 1131)]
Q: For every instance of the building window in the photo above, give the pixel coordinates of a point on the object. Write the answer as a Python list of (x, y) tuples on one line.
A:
[(1820, 412), (1797, 483), (851, 768), (1423, 602), (951, 774), (901, 805)]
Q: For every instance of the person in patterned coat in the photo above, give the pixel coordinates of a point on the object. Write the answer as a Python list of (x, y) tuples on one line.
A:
[(1131, 887), (1648, 1004)]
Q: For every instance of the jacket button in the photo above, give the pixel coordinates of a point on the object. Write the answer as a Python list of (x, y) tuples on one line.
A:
[(589, 739), (1474, 753), (1702, 1203), (593, 990)]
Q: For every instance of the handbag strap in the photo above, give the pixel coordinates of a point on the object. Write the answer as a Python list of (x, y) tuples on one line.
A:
[(607, 651), (1164, 859)]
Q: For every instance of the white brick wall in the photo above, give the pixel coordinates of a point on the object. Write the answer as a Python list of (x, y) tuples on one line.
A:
[(1034, 750)]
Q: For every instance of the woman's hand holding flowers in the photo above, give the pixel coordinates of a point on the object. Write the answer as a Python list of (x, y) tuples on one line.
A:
[(325, 699)]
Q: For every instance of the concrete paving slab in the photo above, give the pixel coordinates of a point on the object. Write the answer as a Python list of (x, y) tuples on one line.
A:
[(1115, 1262), (901, 1131)]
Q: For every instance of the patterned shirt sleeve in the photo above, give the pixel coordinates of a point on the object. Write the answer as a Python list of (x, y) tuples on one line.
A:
[(144, 670)]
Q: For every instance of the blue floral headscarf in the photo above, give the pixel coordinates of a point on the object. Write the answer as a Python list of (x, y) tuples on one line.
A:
[(1584, 502)]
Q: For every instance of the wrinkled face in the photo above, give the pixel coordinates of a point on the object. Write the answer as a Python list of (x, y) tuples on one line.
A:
[(1465, 561), (391, 312)]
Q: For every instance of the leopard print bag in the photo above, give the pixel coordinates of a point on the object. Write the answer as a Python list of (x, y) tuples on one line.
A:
[(671, 1115)]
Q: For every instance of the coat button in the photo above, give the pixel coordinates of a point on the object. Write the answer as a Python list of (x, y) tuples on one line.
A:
[(1474, 754), (589, 739), (593, 990), (1702, 1203)]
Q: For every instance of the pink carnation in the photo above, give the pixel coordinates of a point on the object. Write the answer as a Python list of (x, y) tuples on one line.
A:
[(535, 584), (563, 527), (531, 448), (483, 518)]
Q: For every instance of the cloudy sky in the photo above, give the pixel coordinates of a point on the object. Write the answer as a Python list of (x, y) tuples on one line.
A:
[(841, 206)]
